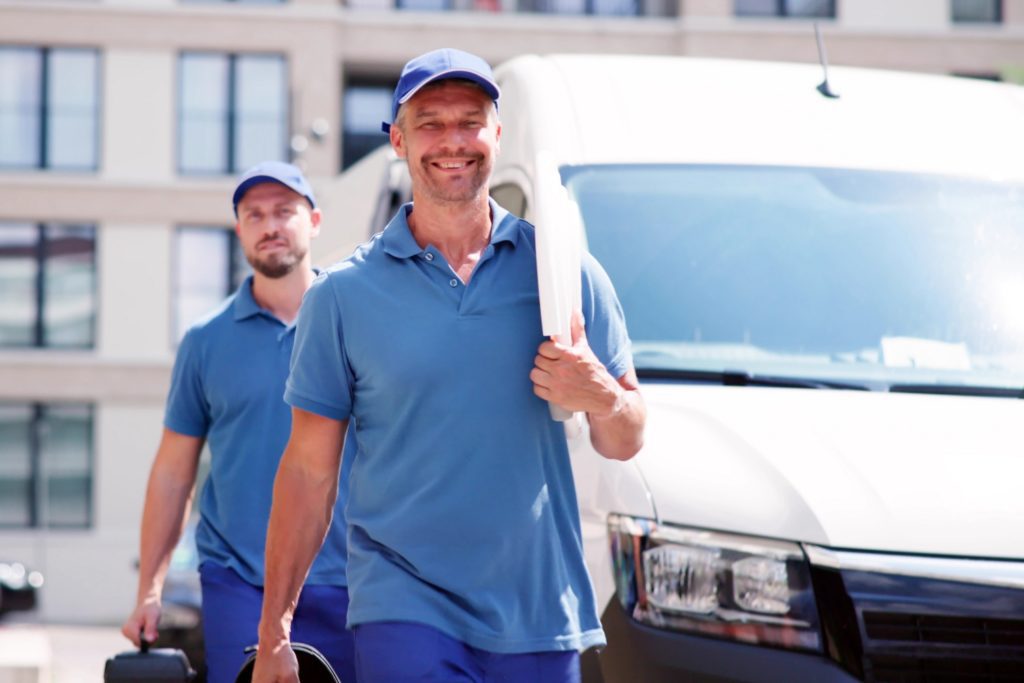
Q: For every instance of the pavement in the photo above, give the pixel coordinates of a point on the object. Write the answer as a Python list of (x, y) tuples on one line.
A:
[(48, 653)]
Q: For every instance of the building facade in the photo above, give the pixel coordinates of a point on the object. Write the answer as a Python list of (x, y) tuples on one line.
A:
[(123, 123)]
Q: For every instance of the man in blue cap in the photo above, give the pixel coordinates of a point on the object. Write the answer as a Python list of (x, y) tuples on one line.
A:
[(227, 388), (465, 553)]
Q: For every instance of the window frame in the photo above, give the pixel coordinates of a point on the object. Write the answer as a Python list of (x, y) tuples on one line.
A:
[(234, 261), (781, 12), (590, 9), (384, 83), (40, 257), (42, 113), (37, 498), (231, 121), (999, 18)]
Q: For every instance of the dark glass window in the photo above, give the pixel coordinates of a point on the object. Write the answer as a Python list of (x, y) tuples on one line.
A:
[(233, 111), (48, 276), (208, 266), (365, 105), (977, 11), (49, 108), (802, 9), (45, 465)]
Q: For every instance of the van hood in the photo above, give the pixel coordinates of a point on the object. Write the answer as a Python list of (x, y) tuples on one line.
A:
[(858, 470)]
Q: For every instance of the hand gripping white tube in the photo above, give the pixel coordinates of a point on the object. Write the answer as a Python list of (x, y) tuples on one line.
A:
[(559, 250)]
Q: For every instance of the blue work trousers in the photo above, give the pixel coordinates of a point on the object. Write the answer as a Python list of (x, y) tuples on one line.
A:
[(231, 616)]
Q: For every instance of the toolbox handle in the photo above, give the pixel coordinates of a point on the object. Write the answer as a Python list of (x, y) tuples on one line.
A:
[(143, 643)]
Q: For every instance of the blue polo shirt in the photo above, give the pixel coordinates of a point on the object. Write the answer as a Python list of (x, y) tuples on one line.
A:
[(227, 386), (462, 510)]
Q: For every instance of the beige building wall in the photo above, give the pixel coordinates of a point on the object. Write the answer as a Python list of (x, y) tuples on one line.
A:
[(906, 15), (137, 198), (138, 115), (135, 292)]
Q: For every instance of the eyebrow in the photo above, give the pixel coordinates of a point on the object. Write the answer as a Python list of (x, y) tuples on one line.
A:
[(249, 208), (428, 113)]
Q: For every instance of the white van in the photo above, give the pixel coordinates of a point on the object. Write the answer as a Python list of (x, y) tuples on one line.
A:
[(826, 302)]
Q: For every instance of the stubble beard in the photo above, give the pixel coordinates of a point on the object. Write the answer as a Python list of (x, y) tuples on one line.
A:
[(464, 191), (275, 266)]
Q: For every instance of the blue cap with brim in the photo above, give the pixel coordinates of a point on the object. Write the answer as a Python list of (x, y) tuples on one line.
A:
[(274, 172), (441, 65)]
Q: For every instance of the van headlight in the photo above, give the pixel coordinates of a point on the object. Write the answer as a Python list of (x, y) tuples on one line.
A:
[(744, 588)]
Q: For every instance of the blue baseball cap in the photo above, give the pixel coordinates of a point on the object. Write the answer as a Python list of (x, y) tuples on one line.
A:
[(274, 172), (440, 65)]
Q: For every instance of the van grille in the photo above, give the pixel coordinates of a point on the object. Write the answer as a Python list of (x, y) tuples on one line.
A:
[(924, 648), (917, 628), (915, 619)]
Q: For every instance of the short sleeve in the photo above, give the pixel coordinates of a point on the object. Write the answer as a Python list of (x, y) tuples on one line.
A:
[(188, 411), (320, 380), (605, 321)]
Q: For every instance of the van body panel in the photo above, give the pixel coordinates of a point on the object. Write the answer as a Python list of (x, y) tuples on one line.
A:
[(936, 475)]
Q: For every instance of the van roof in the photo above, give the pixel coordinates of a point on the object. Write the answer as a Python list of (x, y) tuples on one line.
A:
[(602, 109)]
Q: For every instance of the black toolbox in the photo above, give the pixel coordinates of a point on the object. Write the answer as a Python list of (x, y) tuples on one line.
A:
[(161, 665)]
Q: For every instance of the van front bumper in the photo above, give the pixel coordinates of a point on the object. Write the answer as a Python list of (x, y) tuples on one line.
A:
[(641, 653)]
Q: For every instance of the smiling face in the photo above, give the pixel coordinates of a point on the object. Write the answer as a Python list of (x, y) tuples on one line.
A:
[(449, 133), (275, 226)]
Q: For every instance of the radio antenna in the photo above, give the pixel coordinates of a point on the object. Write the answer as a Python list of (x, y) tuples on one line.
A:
[(823, 87)]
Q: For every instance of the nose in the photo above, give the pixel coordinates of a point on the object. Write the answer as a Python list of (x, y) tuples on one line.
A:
[(455, 138), (271, 228)]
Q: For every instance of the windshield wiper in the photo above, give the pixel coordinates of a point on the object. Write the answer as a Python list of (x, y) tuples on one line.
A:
[(742, 378), (958, 390)]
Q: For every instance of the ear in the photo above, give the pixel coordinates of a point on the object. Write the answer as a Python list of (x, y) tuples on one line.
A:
[(397, 141), (316, 217), (497, 138), (238, 227)]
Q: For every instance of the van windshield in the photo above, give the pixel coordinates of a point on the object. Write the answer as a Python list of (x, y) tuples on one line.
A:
[(875, 277)]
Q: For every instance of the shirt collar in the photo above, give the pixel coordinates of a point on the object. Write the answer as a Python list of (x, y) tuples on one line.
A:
[(398, 241), (245, 305)]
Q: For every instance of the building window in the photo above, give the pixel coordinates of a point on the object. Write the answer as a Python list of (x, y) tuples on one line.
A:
[(49, 108), (208, 266), (233, 111), (424, 5), (45, 465), (48, 277), (365, 105), (799, 9), (239, 2), (595, 7), (977, 11)]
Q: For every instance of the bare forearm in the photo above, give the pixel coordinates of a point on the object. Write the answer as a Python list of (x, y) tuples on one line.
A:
[(619, 434), (168, 495), (299, 520), (163, 520)]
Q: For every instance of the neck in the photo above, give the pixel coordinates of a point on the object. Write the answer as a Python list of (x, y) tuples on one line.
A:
[(282, 296), (457, 229)]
